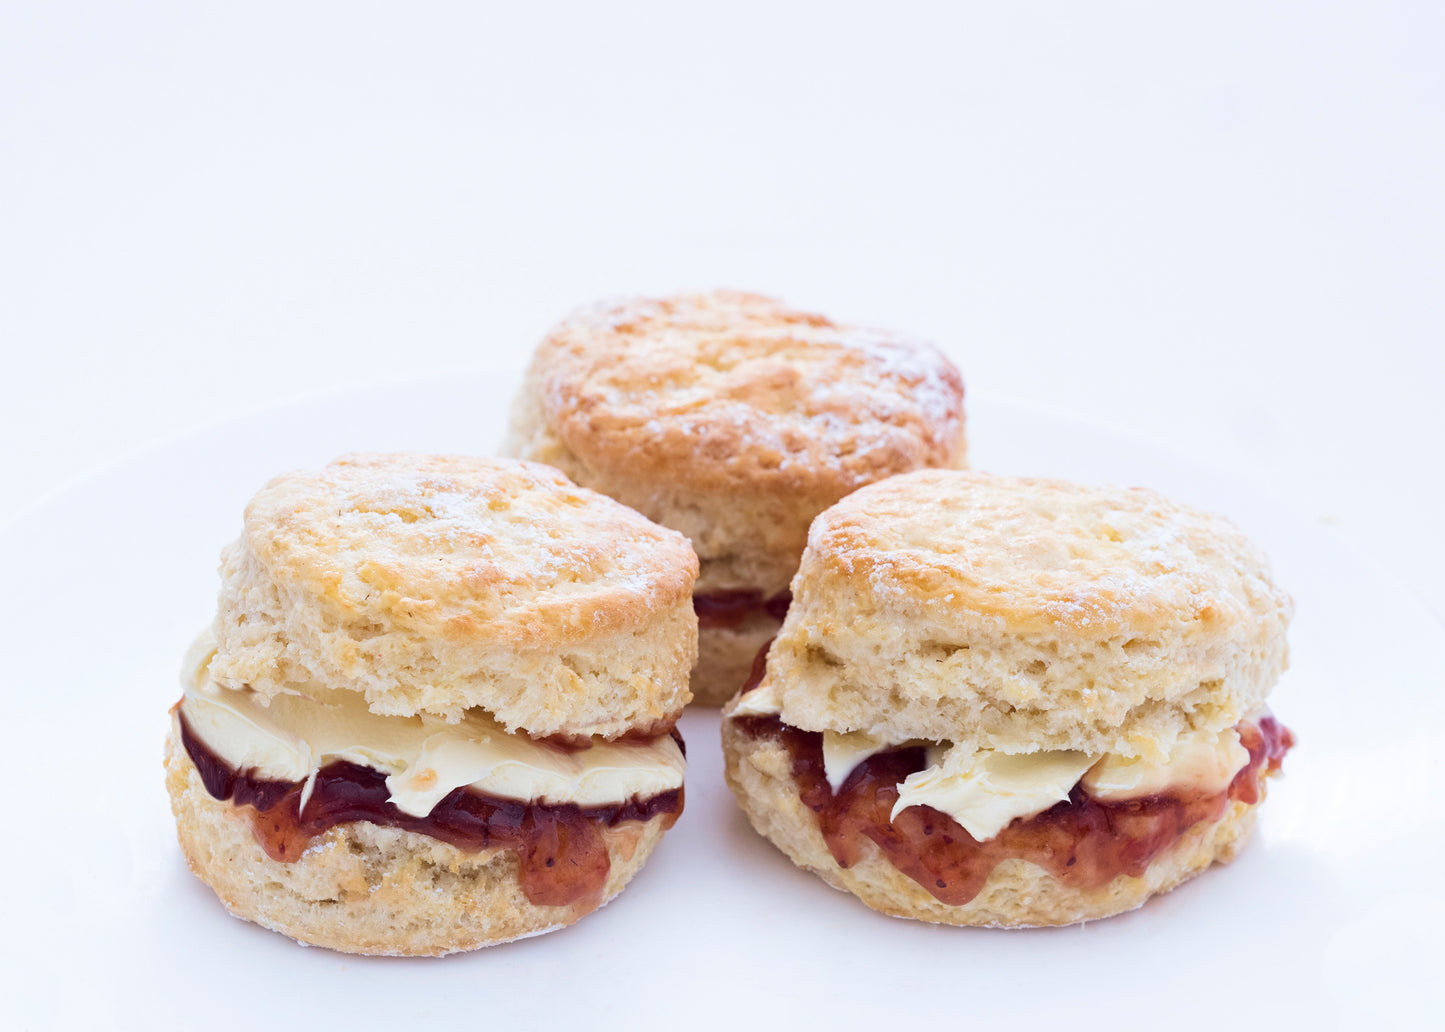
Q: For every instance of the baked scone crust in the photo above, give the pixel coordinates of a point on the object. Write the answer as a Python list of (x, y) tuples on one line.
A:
[(440, 583), (1017, 894), (1025, 614), (363, 888), (734, 419)]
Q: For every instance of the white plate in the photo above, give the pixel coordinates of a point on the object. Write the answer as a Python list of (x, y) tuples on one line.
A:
[(1331, 914)]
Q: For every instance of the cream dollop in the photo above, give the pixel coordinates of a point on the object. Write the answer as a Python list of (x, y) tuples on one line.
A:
[(843, 752), (762, 701), (1203, 761), (985, 791), (424, 757)]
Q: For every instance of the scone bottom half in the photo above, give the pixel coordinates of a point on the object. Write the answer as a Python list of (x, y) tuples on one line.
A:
[(320, 811), (734, 419), (981, 826)]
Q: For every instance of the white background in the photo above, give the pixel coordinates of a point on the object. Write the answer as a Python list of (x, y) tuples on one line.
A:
[(1218, 228)]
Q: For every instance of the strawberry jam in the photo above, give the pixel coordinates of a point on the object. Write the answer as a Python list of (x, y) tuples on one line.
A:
[(727, 610), (563, 856), (1084, 842)]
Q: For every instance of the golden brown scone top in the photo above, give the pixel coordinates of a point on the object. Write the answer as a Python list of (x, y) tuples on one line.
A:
[(1045, 556), (1023, 614), (440, 583), (456, 547), (726, 391)]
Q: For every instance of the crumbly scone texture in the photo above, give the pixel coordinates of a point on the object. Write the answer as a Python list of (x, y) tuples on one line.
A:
[(734, 419), (440, 583), (364, 888), (1017, 894), (1025, 614), (725, 657)]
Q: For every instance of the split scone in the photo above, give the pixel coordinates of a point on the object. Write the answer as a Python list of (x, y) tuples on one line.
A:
[(1015, 702), (734, 420), (435, 710)]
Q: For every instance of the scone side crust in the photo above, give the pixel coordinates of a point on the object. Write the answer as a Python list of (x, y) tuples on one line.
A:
[(725, 657), (1017, 894), (372, 890)]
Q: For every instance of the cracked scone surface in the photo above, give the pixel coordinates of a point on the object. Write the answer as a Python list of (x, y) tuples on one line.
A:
[(734, 419), (440, 583)]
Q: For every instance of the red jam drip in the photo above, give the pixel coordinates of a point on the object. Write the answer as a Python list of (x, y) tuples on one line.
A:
[(564, 859), (1084, 842), (726, 610), (760, 667), (1267, 742)]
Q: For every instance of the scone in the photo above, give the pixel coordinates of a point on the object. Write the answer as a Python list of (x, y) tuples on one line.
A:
[(1001, 701), (734, 420), (435, 710)]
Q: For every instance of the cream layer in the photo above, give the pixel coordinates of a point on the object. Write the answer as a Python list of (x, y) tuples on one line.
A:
[(424, 757), (985, 790)]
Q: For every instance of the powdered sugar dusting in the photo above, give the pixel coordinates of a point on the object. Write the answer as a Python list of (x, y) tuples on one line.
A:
[(736, 382), (1082, 557), (933, 385), (487, 534)]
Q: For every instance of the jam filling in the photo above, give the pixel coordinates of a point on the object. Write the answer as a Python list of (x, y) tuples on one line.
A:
[(1084, 842), (727, 610), (563, 856)]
